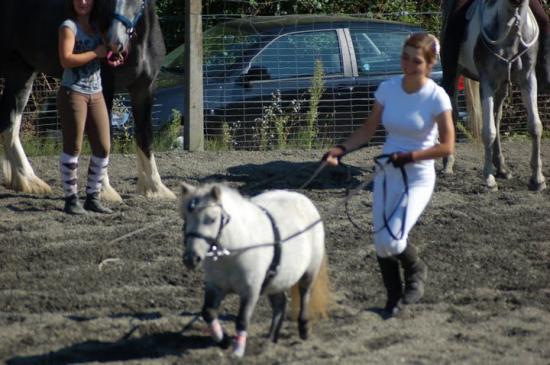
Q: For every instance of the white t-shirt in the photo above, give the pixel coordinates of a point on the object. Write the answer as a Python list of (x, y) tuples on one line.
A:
[(409, 119)]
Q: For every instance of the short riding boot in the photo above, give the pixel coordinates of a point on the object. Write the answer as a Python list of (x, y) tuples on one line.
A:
[(543, 64), (93, 204), (73, 206), (389, 267), (415, 272)]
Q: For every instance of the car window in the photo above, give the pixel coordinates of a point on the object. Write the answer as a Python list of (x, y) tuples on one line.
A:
[(225, 48), (378, 51), (294, 55)]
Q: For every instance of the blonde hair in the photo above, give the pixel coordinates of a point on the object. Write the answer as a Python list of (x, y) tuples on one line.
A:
[(428, 43)]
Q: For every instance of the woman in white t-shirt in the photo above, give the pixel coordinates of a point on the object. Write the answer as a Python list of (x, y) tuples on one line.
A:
[(416, 114)]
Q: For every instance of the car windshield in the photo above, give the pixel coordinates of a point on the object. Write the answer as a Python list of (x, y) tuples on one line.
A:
[(225, 48), (378, 50)]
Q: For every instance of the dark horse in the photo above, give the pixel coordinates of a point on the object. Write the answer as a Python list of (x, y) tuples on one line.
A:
[(28, 45)]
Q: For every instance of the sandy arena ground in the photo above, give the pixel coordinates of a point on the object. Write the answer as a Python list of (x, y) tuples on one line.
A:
[(77, 290)]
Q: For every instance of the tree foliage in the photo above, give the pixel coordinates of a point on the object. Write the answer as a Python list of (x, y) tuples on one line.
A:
[(422, 12)]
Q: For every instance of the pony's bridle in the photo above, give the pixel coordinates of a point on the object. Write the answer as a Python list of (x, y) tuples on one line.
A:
[(131, 24), (215, 249)]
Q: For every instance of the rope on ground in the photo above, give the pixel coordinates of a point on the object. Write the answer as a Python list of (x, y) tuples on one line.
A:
[(144, 228)]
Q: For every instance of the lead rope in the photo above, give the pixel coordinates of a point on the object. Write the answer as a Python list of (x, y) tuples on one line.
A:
[(404, 195)]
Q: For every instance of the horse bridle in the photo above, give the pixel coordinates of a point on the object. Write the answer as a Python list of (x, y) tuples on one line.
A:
[(513, 23), (131, 24), (215, 249)]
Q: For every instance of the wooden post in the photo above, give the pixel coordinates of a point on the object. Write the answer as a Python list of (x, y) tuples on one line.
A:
[(193, 118), (473, 105)]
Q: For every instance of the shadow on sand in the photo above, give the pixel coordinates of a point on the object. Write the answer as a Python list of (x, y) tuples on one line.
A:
[(290, 175)]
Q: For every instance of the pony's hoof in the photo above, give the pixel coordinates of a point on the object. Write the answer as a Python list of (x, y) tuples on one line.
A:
[(239, 345), (537, 186), (225, 342), (303, 329)]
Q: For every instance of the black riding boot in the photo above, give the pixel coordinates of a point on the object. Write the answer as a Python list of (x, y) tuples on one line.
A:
[(543, 63), (416, 274), (389, 267), (93, 204), (73, 206)]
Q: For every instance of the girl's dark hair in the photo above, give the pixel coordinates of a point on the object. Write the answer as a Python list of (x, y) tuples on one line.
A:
[(102, 13)]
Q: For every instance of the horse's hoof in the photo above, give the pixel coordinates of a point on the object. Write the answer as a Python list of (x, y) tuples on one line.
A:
[(109, 194), (506, 175), (447, 171), (536, 186), (491, 184), (26, 184), (157, 192)]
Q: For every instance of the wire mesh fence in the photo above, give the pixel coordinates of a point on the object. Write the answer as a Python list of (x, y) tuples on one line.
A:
[(297, 81)]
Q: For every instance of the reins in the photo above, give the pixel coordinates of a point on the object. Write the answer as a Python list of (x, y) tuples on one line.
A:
[(405, 194), (216, 250)]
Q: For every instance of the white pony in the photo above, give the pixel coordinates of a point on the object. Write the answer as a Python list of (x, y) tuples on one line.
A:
[(263, 245), (500, 46)]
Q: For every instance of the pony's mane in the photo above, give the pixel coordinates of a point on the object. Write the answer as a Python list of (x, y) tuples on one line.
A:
[(229, 195)]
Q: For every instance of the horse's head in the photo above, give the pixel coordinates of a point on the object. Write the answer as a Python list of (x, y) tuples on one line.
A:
[(204, 221), (126, 16)]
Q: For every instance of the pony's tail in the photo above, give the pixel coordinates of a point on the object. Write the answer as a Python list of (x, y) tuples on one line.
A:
[(320, 298)]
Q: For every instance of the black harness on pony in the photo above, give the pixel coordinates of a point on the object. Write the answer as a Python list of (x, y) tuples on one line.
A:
[(216, 250)]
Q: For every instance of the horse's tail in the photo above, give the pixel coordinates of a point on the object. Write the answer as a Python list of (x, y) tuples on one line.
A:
[(320, 297)]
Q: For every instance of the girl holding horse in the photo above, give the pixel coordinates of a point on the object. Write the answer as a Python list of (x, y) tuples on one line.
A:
[(81, 105), (415, 111)]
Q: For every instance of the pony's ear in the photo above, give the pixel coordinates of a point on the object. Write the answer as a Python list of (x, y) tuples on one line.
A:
[(186, 189), (216, 192)]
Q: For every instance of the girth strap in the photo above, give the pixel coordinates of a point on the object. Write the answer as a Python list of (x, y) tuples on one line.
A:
[(276, 261)]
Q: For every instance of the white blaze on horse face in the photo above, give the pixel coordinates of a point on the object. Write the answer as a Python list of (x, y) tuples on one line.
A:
[(118, 35)]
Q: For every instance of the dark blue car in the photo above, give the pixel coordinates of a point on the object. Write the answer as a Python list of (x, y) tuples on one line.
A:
[(259, 72)]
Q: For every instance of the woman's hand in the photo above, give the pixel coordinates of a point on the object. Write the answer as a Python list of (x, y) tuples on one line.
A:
[(400, 159), (332, 157), (101, 51)]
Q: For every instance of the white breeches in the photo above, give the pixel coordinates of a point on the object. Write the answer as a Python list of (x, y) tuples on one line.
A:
[(421, 182)]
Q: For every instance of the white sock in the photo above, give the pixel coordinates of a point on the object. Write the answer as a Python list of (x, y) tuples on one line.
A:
[(69, 174), (96, 174)]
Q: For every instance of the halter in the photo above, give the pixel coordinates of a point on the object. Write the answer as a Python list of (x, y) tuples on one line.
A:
[(131, 24), (514, 24), (215, 250)]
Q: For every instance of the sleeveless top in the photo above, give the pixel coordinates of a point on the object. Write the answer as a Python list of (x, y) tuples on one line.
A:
[(85, 79)]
